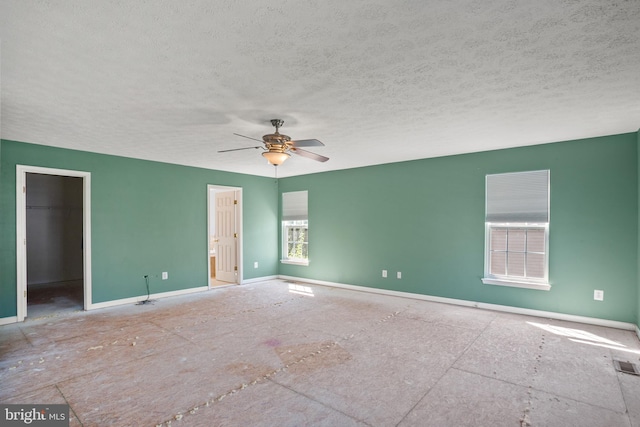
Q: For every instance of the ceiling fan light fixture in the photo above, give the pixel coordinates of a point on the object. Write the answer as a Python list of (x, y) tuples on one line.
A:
[(275, 158)]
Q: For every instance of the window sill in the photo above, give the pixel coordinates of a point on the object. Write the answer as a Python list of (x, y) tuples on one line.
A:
[(517, 284), (294, 261)]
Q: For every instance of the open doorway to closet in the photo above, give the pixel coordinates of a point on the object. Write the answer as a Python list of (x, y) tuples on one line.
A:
[(53, 226), (224, 235)]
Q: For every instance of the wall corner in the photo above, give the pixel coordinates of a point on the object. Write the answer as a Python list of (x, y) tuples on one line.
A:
[(638, 243)]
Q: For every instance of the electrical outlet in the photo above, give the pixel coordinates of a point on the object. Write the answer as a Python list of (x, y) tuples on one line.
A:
[(399, 275), (384, 273), (598, 295), (255, 264), (165, 275)]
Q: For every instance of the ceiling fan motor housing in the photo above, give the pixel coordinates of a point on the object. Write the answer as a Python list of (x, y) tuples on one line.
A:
[(277, 141)]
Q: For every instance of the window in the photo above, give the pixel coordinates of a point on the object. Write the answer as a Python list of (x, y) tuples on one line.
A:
[(517, 230), (295, 228), (297, 240)]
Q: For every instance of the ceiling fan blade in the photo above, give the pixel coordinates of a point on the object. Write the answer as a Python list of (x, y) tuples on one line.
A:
[(238, 149), (248, 137), (308, 143), (309, 154)]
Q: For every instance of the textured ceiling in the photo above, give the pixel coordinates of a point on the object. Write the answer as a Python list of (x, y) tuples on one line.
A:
[(376, 81)]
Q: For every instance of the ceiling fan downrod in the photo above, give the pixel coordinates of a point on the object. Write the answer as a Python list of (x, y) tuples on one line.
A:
[(277, 123)]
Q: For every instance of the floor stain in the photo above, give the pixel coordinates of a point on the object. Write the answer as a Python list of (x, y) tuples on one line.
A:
[(273, 342)]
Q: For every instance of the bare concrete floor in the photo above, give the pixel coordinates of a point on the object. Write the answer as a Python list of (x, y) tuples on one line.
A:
[(281, 354)]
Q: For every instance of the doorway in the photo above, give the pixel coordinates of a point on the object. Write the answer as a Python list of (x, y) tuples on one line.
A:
[(53, 241), (224, 230)]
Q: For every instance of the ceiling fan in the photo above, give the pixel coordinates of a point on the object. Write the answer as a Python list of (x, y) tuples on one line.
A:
[(277, 146)]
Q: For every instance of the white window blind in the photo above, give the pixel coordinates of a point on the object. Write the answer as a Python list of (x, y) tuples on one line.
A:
[(518, 197), (294, 206)]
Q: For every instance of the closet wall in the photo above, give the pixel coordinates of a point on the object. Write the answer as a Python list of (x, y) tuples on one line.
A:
[(54, 229)]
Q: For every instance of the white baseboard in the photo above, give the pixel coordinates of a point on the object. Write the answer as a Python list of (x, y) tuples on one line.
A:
[(258, 279), (8, 320), (134, 300), (495, 307)]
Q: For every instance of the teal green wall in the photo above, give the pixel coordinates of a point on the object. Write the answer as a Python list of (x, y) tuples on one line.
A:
[(147, 217), (4, 251), (425, 218)]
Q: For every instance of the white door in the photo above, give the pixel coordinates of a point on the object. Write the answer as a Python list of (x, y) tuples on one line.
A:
[(226, 236)]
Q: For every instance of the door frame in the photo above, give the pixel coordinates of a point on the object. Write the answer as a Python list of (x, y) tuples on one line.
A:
[(212, 188), (21, 232)]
